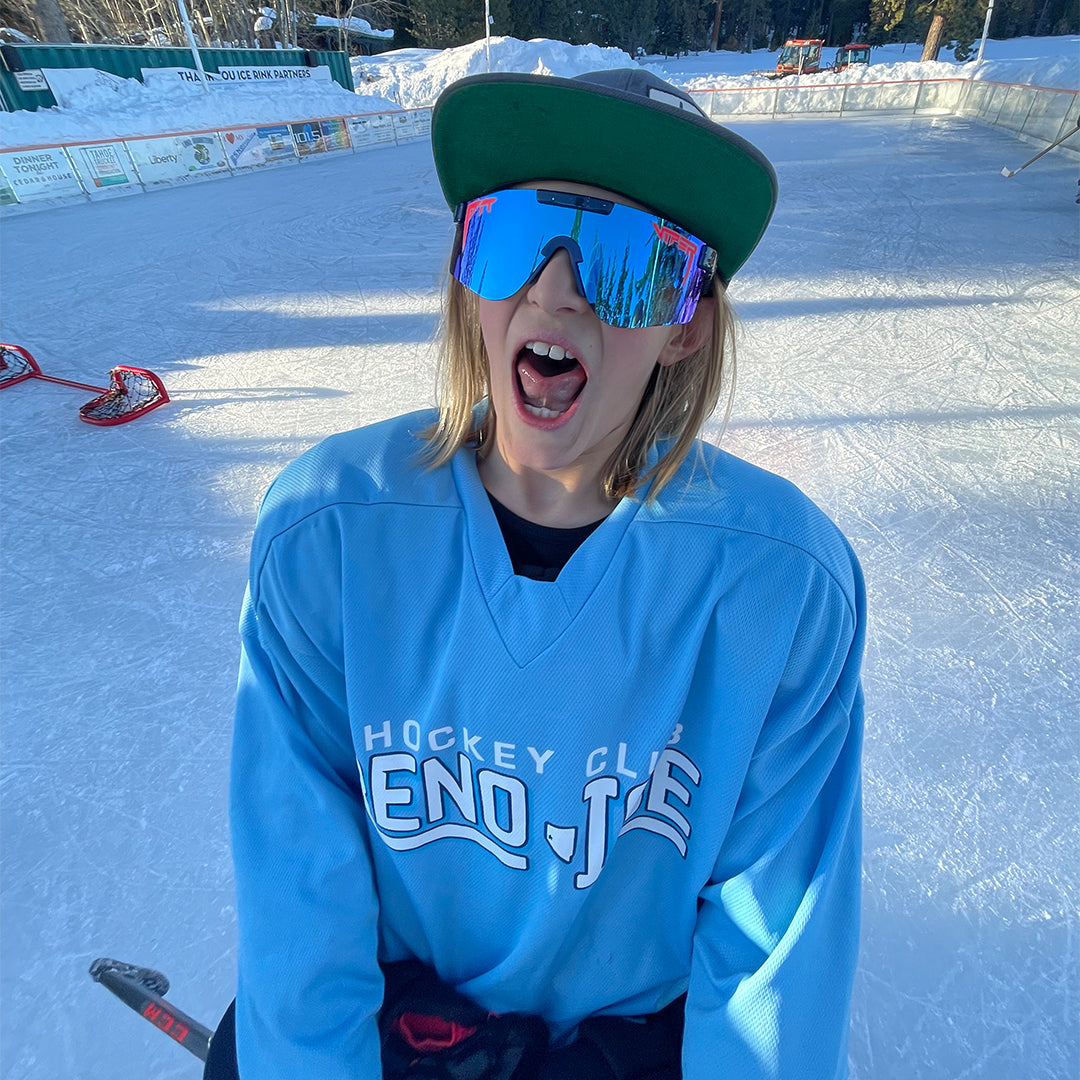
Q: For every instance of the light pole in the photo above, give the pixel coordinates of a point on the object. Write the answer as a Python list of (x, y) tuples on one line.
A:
[(986, 29), (487, 31), (194, 48)]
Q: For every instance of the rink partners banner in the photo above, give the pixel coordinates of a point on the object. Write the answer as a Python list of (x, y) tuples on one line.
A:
[(246, 76), (40, 174), (105, 169), (249, 147), (177, 158)]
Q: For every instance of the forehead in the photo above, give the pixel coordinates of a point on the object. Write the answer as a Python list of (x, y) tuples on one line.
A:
[(574, 188)]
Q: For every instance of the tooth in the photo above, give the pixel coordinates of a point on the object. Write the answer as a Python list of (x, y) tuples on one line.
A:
[(539, 347), (556, 352)]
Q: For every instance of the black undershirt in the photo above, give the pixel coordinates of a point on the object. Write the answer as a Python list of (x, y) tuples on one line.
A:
[(538, 551)]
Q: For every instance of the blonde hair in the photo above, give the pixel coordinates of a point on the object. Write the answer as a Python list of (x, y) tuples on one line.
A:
[(678, 399)]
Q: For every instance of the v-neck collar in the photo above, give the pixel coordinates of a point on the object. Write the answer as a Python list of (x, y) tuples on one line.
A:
[(530, 615)]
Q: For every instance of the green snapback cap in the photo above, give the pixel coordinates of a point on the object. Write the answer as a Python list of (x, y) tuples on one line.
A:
[(625, 130)]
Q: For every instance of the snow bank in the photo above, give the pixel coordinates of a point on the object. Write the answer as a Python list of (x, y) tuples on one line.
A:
[(120, 108), (1063, 73), (873, 72), (113, 108), (1048, 61), (415, 77), (360, 26)]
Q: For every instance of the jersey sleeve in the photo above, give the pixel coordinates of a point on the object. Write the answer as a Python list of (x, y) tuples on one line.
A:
[(776, 940), (309, 985)]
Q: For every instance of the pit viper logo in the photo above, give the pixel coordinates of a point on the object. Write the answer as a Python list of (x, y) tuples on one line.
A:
[(414, 802)]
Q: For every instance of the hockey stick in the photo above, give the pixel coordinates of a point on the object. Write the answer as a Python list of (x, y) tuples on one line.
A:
[(144, 990), (132, 391), (1068, 134)]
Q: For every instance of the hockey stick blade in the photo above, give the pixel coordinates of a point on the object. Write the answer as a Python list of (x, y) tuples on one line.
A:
[(142, 989)]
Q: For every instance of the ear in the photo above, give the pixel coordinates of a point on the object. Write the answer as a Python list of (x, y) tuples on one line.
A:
[(689, 337)]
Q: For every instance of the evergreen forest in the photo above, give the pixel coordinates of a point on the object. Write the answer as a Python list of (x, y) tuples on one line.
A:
[(638, 27)]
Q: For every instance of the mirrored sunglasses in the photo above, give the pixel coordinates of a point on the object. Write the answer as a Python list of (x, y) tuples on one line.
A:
[(634, 267)]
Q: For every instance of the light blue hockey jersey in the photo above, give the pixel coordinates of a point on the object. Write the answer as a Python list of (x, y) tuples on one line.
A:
[(572, 797)]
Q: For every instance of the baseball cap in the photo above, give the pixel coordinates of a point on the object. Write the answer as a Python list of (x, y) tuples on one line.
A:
[(625, 130)]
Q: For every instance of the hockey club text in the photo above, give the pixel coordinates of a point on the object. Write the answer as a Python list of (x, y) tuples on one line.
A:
[(415, 801)]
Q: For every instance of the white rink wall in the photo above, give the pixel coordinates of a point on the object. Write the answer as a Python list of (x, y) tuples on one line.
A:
[(1035, 113)]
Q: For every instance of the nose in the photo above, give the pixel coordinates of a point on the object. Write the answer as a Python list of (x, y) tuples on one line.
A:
[(556, 286)]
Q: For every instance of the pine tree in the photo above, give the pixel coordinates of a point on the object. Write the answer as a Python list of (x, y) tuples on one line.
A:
[(885, 16), (681, 26)]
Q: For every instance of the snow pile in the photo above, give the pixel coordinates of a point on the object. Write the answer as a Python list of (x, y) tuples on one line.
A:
[(354, 24), (415, 77), (1049, 61), (873, 72), (107, 107), (1062, 73), (116, 108)]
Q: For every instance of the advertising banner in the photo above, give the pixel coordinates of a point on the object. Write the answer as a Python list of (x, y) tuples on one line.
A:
[(404, 129), (185, 75), (69, 85), (33, 80), (176, 158), (415, 124), (105, 169), (40, 174), (320, 136), (374, 130), (422, 122), (248, 147), (7, 192), (248, 75)]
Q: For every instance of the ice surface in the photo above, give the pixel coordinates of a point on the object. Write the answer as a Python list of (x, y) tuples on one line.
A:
[(910, 326)]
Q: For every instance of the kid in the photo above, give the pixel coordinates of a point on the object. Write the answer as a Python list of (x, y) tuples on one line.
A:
[(547, 744)]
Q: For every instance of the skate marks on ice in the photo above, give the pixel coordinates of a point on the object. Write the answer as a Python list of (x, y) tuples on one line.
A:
[(936, 416), (124, 560)]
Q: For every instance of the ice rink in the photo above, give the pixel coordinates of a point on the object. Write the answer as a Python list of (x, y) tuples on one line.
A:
[(908, 356)]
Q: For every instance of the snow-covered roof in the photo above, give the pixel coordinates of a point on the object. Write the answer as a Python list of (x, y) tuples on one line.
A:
[(354, 26)]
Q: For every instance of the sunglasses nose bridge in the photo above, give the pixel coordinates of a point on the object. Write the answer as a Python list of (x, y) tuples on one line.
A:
[(558, 285), (551, 249)]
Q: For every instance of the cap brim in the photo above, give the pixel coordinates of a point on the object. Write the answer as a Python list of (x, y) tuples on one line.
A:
[(493, 131)]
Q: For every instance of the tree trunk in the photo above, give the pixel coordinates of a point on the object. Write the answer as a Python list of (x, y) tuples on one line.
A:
[(50, 20), (933, 38), (714, 37)]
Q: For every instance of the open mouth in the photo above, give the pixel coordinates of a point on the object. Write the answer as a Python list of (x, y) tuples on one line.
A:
[(550, 379)]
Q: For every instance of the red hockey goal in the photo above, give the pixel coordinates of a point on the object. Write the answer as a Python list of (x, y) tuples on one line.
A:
[(132, 392)]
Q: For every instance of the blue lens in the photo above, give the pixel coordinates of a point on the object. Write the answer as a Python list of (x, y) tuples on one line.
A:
[(634, 268)]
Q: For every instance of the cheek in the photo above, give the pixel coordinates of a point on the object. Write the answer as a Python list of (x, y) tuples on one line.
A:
[(635, 353), (494, 316)]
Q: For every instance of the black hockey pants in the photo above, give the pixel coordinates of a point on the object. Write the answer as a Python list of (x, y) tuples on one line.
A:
[(431, 1032)]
